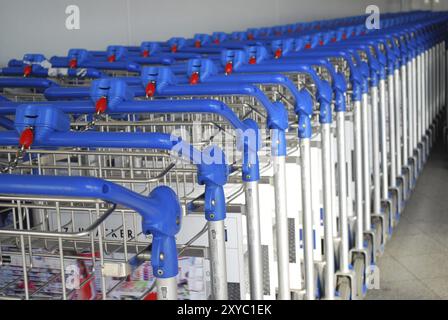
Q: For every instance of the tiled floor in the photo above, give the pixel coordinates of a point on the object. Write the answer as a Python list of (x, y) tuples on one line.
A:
[(415, 262)]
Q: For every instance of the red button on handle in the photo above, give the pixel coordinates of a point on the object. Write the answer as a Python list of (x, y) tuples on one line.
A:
[(228, 68), (73, 63), (145, 53), (111, 58), (101, 105), (150, 89), (26, 138), (27, 70), (252, 60), (197, 43), (278, 53), (174, 48), (194, 78)]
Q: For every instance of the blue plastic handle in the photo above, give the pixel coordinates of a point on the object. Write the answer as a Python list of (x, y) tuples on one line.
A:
[(51, 129), (37, 83), (160, 211)]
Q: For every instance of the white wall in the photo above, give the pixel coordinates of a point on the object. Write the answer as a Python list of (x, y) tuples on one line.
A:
[(39, 25)]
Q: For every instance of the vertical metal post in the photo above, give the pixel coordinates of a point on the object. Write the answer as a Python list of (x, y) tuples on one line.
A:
[(308, 241), (404, 115), (328, 211), (166, 288), (409, 115), (391, 113), (414, 111), (254, 240), (366, 161), (359, 239), (376, 152), (217, 245), (419, 91), (281, 222), (383, 142), (342, 172), (398, 121)]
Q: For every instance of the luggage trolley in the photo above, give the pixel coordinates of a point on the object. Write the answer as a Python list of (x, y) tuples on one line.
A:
[(205, 69), (285, 90), (359, 74), (113, 165), (24, 246), (323, 94), (114, 62), (144, 109), (303, 71), (247, 101), (34, 65)]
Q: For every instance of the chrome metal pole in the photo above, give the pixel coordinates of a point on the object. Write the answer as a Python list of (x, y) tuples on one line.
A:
[(218, 262), (423, 82), (404, 114), (383, 142), (359, 237), (305, 153), (254, 240), (366, 162), (344, 265), (409, 116), (166, 288), (376, 152), (414, 112), (418, 106), (328, 212), (398, 116), (281, 222), (391, 113)]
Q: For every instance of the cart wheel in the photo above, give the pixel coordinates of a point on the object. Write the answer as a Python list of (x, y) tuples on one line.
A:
[(360, 271), (343, 287)]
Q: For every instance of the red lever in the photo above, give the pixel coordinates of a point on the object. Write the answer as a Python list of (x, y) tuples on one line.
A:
[(150, 89), (101, 105), (216, 41), (31, 285), (228, 68), (145, 53), (252, 60), (250, 36), (321, 43), (344, 36), (308, 46), (26, 138), (194, 78), (174, 48), (111, 58), (278, 53), (73, 63), (27, 70), (197, 43), (333, 39)]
